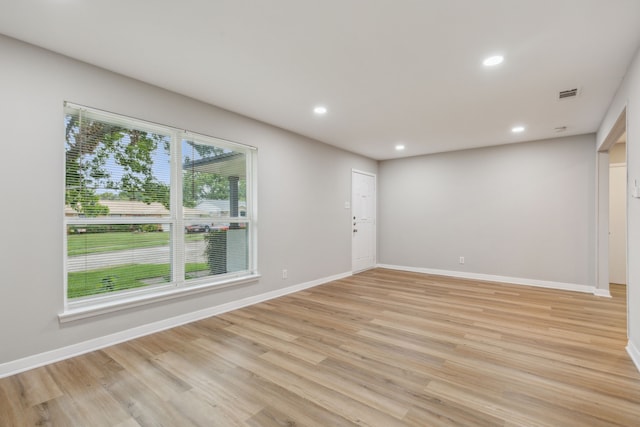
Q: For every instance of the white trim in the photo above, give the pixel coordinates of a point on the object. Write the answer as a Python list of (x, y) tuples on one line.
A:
[(364, 172), (35, 361), (178, 240), (602, 293), (252, 209), (501, 279), (149, 126), (634, 353), (616, 130), (119, 302), (78, 220), (601, 265)]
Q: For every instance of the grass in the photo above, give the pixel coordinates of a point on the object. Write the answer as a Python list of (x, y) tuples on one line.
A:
[(119, 278), (92, 243)]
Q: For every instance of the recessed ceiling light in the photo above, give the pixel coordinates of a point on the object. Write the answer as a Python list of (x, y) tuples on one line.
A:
[(493, 61), (320, 110), (517, 129), (399, 147)]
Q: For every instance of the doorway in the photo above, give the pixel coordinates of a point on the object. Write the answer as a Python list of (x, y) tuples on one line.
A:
[(363, 221), (606, 190)]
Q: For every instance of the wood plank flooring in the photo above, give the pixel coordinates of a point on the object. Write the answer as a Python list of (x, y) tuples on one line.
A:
[(381, 348)]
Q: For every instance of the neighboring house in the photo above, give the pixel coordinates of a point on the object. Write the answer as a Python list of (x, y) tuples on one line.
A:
[(126, 208), (220, 208), (133, 208)]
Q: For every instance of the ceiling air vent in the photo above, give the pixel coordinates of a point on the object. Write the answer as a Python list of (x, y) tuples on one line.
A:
[(567, 94)]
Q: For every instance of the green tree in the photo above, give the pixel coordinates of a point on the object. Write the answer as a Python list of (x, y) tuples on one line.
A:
[(198, 186), (94, 149)]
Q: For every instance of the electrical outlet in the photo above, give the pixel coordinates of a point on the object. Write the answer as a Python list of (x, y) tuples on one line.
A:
[(285, 274), (461, 260)]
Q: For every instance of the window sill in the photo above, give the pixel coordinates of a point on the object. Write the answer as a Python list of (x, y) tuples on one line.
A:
[(72, 314)]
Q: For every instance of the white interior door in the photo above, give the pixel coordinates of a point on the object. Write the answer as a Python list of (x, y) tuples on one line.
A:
[(618, 224), (363, 230)]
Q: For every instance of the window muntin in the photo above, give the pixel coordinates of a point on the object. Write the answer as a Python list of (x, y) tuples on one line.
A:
[(124, 220)]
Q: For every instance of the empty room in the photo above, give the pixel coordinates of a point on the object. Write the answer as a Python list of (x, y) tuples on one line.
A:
[(320, 213)]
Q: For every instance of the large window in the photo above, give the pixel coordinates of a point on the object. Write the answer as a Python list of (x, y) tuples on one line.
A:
[(151, 210)]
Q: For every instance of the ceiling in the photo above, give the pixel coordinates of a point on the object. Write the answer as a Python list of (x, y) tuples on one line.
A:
[(388, 71)]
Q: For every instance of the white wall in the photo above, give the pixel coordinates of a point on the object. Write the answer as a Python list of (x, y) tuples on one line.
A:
[(303, 184), (618, 224), (629, 95), (515, 211), (618, 153)]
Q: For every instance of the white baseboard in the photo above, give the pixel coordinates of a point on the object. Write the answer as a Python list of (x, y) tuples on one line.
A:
[(602, 293), (634, 353), (35, 361), (499, 279)]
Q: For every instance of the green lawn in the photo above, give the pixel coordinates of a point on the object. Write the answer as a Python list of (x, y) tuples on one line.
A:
[(91, 243), (119, 278)]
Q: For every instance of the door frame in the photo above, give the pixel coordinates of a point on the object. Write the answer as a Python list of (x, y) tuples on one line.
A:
[(375, 218), (602, 207)]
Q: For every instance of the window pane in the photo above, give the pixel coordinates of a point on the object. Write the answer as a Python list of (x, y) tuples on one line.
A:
[(224, 249), (104, 258), (214, 182), (114, 169), (214, 192)]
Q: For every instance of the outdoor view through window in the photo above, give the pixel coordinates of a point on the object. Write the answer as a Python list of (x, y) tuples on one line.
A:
[(148, 207)]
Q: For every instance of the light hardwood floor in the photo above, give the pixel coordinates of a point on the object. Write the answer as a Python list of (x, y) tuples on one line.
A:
[(381, 348)]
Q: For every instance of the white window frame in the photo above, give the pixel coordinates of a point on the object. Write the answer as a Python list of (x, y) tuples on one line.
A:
[(75, 309)]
